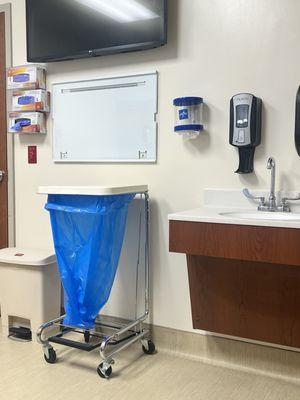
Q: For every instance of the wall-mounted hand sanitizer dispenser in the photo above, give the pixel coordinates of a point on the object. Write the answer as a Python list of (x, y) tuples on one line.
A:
[(245, 128)]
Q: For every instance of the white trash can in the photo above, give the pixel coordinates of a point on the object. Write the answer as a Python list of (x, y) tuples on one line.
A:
[(30, 287)]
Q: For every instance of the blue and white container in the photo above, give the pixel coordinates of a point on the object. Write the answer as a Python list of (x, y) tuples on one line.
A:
[(188, 116)]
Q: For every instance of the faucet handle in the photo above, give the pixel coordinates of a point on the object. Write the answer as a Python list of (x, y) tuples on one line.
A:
[(284, 202), (262, 200), (285, 199)]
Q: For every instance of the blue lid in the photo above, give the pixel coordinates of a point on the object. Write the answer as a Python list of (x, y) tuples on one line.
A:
[(187, 101), (180, 128)]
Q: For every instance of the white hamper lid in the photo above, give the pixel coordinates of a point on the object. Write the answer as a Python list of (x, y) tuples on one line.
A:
[(93, 190), (21, 256)]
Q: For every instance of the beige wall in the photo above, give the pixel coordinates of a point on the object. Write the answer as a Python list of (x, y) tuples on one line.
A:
[(216, 49)]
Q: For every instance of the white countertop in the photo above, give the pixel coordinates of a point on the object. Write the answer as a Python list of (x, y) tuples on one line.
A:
[(216, 216), (233, 201), (92, 190)]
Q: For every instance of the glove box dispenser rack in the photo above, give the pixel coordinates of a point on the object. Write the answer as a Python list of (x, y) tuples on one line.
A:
[(28, 102)]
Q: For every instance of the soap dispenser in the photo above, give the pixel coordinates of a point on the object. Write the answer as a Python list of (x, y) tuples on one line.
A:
[(245, 128)]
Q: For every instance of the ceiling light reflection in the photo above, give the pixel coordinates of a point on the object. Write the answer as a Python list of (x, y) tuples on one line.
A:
[(121, 10)]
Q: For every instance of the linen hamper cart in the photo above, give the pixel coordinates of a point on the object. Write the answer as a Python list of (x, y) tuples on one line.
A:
[(111, 335)]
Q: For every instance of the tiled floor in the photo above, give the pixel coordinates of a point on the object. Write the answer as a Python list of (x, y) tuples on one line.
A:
[(25, 376)]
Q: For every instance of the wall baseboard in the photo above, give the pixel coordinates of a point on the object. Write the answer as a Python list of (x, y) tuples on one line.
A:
[(234, 354)]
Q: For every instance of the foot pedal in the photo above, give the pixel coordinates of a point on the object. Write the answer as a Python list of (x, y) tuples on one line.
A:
[(20, 334)]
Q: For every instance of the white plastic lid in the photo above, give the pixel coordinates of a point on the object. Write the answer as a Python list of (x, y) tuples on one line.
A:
[(21, 256), (92, 190)]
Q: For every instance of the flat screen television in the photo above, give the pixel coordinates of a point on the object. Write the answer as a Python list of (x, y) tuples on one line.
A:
[(68, 29)]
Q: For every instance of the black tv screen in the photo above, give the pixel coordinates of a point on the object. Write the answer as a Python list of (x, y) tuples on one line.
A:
[(67, 29)]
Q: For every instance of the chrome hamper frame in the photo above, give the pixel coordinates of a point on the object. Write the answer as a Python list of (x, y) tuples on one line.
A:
[(110, 332)]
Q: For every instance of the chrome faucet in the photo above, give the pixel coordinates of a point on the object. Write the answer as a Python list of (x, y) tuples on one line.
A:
[(271, 205)]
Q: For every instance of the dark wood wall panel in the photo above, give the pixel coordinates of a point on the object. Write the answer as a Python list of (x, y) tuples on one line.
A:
[(241, 242), (257, 301)]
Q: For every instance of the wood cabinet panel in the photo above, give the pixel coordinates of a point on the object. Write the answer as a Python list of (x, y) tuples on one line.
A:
[(257, 301), (241, 242), (244, 280)]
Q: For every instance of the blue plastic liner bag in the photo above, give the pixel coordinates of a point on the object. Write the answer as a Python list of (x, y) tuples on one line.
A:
[(88, 234)]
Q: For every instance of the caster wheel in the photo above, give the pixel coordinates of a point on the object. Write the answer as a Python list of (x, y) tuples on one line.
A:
[(87, 336), (149, 348), (104, 372), (52, 356)]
